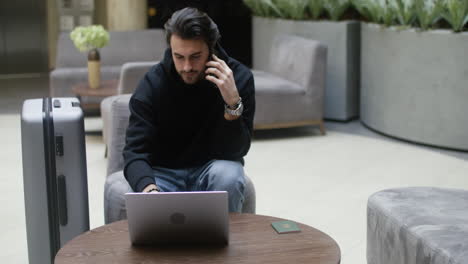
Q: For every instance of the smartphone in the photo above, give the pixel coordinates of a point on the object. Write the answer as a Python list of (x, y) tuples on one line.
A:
[(212, 51)]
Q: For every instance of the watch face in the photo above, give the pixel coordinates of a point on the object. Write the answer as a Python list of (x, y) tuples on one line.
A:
[(234, 107), (236, 112)]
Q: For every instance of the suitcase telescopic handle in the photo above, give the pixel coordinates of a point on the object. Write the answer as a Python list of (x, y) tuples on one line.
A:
[(62, 200)]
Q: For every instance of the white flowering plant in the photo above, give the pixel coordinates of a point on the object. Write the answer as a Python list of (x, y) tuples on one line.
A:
[(90, 37)]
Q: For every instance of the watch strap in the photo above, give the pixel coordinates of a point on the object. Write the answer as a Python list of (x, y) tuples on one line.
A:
[(237, 111), (236, 105)]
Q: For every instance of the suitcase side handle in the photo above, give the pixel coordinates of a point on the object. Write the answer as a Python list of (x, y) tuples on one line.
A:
[(62, 200)]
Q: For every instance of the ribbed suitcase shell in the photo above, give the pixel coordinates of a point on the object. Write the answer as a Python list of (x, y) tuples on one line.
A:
[(54, 174)]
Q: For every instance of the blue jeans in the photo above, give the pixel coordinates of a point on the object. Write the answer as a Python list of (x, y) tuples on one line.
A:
[(215, 175)]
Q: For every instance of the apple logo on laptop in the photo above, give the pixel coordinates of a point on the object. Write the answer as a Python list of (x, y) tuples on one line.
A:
[(178, 218)]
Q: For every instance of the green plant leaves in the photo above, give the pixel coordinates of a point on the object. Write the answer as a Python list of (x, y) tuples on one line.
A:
[(316, 8), (298, 9), (263, 8), (405, 11), (91, 37), (377, 11), (336, 8), (456, 14), (415, 13), (369, 9), (292, 9), (387, 13), (428, 12)]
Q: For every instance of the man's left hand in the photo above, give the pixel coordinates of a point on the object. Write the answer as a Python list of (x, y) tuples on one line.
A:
[(222, 76)]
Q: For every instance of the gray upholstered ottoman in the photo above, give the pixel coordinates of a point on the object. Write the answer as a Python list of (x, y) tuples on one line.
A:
[(417, 225), (116, 186)]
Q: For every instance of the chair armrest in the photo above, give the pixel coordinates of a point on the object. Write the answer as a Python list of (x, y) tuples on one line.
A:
[(119, 115), (317, 80), (106, 105), (131, 74), (116, 112)]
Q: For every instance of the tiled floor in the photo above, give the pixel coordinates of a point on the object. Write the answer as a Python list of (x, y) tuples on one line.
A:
[(323, 181)]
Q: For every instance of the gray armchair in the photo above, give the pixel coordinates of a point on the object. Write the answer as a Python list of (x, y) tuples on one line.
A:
[(291, 92), (116, 184), (124, 46), (130, 75)]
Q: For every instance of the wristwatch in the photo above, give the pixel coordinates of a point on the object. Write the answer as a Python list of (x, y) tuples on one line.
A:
[(235, 110)]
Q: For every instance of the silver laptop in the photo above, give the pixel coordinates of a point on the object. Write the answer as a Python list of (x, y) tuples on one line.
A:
[(178, 217)]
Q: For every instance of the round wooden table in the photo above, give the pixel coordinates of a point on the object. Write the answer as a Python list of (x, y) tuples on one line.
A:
[(107, 88), (252, 240)]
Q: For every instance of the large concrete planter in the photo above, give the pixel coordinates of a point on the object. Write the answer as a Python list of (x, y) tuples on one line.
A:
[(414, 85), (342, 40)]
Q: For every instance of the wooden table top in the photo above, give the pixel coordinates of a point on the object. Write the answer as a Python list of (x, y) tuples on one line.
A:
[(107, 88), (252, 240)]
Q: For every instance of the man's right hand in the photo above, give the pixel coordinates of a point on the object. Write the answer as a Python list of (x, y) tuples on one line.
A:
[(150, 187)]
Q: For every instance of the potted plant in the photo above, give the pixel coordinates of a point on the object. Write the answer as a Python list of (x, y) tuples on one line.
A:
[(90, 39), (414, 70), (331, 22)]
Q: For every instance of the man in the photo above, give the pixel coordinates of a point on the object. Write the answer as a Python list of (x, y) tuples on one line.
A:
[(191, 115)]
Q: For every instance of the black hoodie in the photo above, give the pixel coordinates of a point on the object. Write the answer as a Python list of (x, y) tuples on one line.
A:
[(176, 125)]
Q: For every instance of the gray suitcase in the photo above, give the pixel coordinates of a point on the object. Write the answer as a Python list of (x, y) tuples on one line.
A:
[(54, 174)]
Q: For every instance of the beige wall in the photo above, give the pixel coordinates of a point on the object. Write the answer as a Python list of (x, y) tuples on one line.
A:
[(123, 15), (52, 31), (100, 13)]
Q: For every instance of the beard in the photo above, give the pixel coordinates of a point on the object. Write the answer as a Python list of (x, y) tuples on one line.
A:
[(191, 77)]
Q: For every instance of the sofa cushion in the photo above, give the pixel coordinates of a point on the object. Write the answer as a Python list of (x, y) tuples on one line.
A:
[(280, 101), (267, 83)]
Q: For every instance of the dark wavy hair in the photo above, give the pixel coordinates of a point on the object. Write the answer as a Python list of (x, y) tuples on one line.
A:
[(191, 23)]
